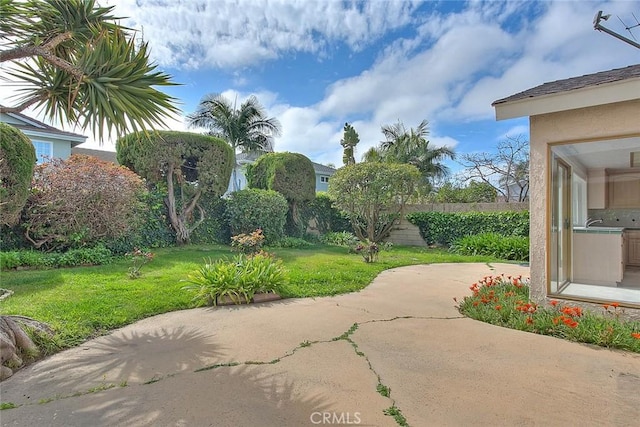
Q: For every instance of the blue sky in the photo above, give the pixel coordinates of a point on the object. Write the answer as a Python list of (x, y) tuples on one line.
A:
[(318, 64)]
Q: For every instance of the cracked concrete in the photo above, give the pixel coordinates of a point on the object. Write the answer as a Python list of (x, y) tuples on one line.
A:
[(323, 361)]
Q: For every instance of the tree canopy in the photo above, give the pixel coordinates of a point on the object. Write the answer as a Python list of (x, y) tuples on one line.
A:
[(402, 145), (246, 128), (73, 59), (190, 165), (17, 159), (373, 195), (349, 142)]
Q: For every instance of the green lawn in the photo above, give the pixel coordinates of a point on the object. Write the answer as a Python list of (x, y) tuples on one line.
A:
[(88, 301)]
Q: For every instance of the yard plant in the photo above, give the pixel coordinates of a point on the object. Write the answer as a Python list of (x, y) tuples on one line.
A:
[(504, 301)]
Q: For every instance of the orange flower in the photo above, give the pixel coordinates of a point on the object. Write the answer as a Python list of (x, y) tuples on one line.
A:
[(529, 321), (636, 335), (615, 304), (606, 306), (498, 307), (553, 302), (475, 303)]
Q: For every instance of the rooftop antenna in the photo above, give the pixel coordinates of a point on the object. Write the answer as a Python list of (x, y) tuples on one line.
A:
[(598, 26)]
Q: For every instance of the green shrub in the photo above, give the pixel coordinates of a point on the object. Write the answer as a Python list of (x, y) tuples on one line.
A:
[(215, 227), (327, 217), (75, 257), (251, 209), (504, 247), (239, 278), (293, 243), (17, 159), (341, 238), (443, 228), (152, 229)]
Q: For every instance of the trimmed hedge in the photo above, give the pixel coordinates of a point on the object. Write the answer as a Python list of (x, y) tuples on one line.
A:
[(251, 209), (444, 228), (515, 248), (74, 257), (215, 227), (328, 218)]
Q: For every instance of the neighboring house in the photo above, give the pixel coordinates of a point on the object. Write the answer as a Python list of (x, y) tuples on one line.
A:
[(585, 152), (108, 156), (323, 173), (48, 141)]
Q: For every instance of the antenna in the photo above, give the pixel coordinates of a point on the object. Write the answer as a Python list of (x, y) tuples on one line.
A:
[(598, 26)]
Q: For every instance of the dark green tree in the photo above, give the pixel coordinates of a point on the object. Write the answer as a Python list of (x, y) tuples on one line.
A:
[(192, 166), (373, 195), (475, 192), (290, 174), (246, 129), (83, 67), (17, 159), (349, 142)]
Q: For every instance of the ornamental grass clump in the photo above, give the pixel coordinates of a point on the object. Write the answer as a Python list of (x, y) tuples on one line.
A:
[(238, 279), (504, 301)]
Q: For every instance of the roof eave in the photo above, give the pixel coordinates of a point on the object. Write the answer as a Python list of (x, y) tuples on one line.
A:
[(619, 91)]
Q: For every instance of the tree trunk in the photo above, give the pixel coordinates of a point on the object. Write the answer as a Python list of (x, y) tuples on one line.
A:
[(15, 344)]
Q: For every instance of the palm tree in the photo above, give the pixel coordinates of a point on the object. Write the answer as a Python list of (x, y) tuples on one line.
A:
[(83, 66), (411, 146), (246, 129)]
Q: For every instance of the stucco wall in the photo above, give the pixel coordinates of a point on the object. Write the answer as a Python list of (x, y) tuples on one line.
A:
[(582, 125)]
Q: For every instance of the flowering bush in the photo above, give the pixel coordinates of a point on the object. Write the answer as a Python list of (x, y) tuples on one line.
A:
[(368, 250), (504, 301), (138, 259), (248, 243)]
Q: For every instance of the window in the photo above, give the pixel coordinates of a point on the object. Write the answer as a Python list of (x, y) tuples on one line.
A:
[(324, 179), (44, 151)]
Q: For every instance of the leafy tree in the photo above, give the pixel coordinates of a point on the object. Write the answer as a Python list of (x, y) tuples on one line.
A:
[(373, 195), (79, 202), (17, 158), (349, 142), (83, 67), (475, 192), (191, 166), (506, 170), (246, 129), (412, 147), (290, 174)]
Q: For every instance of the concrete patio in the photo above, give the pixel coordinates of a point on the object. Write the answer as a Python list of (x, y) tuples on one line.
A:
[(320, 361)]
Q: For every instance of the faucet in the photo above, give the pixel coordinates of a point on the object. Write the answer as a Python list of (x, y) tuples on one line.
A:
[(591, 221)]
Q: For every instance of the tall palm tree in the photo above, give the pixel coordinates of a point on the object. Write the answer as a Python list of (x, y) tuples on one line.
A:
[(246, 129), (411, 146)]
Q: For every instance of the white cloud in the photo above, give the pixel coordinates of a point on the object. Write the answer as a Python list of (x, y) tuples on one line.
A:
[(227, 34)]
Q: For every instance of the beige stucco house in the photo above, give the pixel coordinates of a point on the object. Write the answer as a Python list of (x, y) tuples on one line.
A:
[(585, 185)]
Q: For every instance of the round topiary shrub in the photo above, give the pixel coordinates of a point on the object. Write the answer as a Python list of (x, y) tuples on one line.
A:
[(17, 159), (251, 209)]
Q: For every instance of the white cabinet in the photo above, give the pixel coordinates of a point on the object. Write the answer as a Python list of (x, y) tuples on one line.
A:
[(624, 189), (598, 257), (633, 247), (596, 189)]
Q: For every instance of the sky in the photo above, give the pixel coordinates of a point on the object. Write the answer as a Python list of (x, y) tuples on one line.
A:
[(316, 64)]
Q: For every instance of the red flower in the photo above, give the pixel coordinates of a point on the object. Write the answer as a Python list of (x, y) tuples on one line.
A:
[(606, 306), (553, 302), (498, 307), (615, 304), (636, 335), (475, 303), (529, 321)]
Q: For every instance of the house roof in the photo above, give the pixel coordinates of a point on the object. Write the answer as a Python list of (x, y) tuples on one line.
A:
[(33, 125), (109, 156), (573, 83)]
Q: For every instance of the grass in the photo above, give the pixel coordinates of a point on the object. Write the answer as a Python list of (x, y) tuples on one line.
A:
[(504, 301), (81, 303)]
